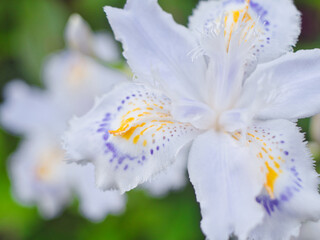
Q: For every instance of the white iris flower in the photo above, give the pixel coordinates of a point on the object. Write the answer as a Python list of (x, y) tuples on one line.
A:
[(229, 86)]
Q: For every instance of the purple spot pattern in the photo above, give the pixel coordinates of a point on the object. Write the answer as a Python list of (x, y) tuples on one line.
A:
[(262, 16), (258, 9), (122, 160), (117, 158), (270, 205), (295, 185)]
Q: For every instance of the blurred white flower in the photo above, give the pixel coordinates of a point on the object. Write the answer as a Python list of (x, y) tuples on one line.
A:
[(72, 78), (76, 75), (41, 177), (232, 86), (79, 37)]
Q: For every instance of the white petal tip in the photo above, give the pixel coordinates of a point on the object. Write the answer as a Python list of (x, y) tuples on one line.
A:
[(106, 9)]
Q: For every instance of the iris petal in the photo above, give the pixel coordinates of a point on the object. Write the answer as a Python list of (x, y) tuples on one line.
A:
[(131, 136)]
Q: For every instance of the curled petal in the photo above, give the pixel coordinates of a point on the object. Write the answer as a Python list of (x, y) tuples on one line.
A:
[(130, 136)]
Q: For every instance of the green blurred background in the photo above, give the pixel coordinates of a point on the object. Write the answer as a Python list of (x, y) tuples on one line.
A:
[(32, 29)]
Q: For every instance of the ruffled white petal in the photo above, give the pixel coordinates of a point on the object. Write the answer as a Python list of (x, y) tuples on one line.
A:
[(202, 13), (74, 80), (173, 178), (129, 135), (27, 109), (94, 203), (277, 30), (226, 179), (288, 87), (283, 27), (157, 48), (290, 195)]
